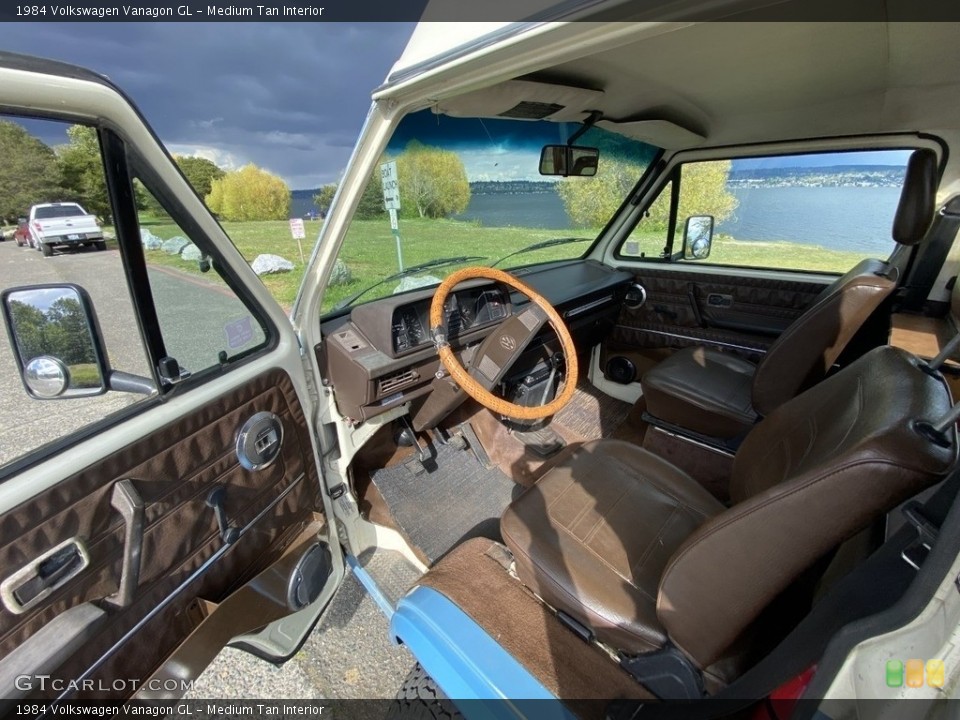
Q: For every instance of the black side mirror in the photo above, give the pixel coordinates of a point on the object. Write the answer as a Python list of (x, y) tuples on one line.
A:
[(56, 341), (697, 237), (569, 160)]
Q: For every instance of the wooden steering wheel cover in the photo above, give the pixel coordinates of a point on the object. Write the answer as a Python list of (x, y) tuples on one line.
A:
[(462, 377)]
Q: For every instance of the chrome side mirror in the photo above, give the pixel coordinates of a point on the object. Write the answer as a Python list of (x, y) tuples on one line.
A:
[(56, 341), (697, 237)]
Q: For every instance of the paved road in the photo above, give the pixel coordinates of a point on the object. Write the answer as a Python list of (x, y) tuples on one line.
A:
[(348, 655)]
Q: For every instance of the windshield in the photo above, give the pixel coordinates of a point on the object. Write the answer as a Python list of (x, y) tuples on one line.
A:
[(470, 188)]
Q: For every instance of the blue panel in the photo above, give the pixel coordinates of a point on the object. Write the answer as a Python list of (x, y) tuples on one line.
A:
[(371, 587), (466, 662)]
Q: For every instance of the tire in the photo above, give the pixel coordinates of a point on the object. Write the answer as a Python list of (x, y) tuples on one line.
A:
[(100, 244), (47, 250), (421, 699)]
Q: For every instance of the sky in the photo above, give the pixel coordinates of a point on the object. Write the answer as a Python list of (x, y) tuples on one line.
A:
[(290, 97)]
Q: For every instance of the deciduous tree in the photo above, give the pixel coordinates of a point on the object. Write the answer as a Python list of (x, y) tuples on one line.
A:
[(433, 182), (30, 172), (200, 172), (249, 193)]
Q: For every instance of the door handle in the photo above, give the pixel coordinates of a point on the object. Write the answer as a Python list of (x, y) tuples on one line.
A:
[(36, 580), (719, 300), (127, 501)]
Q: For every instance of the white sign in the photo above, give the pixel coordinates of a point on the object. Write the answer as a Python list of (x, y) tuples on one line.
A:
[(394, 223), (391, 187), (296, 228)]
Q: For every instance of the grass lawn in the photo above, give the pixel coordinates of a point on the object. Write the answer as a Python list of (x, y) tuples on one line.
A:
[(370, 251)]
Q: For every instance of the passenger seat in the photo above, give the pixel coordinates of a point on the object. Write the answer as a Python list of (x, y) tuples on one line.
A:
[(719, 395)]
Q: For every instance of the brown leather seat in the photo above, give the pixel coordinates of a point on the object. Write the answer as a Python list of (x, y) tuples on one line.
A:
[(637, 551), (716, 394)]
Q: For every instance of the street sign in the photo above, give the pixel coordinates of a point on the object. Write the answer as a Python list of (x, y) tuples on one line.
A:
[(391, 187), (394, 222), (296, 228)]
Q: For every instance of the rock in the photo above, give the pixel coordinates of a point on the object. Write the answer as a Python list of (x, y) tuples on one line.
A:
[(174, 245), (267, 264), (149, 240), (412, 283), (191, 252), (340, 275)]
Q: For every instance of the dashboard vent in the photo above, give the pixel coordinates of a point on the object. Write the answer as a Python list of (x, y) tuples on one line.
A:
[(388, 384)]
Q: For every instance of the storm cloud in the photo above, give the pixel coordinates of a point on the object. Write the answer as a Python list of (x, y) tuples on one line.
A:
[(289, 97)]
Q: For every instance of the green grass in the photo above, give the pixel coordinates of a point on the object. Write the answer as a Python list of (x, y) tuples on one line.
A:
[(370, 251)]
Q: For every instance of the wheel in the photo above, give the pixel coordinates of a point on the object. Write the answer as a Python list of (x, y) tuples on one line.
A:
[(47, 250), (503, 346), (421, 699), (100, 244)]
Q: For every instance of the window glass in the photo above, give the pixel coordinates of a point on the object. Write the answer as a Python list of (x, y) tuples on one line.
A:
[(204, 323), (649, 237), (819, 211), (468, 192), (57, 229)]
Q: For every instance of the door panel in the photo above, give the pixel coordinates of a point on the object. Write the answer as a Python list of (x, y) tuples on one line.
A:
[(173, 471), (740, 314)]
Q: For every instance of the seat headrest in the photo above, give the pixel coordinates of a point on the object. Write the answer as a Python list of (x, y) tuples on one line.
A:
[(917, 199)]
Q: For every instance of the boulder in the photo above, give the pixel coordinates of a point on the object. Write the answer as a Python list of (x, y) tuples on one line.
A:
[(412, 283), (340, 275), (191, 252), (149, 240), (267, 264), (174, 245)]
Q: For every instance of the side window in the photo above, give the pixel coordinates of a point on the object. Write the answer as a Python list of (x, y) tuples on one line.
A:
[(57, 229), (821, 212), (649, 237), (203, 322)]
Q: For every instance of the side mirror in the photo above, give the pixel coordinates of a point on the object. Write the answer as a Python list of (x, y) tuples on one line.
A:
[(56, 341), (697, 237), (569, 160)]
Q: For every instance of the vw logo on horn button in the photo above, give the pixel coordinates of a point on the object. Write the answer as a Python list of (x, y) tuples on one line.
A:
[(508, 343)]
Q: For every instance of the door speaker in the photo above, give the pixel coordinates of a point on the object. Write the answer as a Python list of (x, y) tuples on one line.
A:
[(309, 576), (620, 370)]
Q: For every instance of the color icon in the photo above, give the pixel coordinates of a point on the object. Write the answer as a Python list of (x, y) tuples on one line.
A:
[(935, 673), (894, 673), (913, 672)]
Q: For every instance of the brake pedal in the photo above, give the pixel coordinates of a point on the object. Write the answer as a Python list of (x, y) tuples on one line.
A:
[(544, 442)]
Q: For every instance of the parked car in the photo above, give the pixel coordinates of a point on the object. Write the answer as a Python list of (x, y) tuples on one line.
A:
[(674, 457), (22, 233), (54, 225)]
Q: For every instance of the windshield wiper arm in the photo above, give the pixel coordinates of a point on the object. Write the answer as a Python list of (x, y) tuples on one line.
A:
[(412, 270), (539, 246)]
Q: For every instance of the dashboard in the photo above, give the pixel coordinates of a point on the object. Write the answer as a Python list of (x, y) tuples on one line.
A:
[(380, 354), (464, 311)]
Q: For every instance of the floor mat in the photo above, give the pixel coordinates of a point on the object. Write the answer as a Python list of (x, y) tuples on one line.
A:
[(591, 414), (454, 499)]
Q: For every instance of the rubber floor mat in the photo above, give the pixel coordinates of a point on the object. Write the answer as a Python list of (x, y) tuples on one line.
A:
[(592, 414), (455, 498)]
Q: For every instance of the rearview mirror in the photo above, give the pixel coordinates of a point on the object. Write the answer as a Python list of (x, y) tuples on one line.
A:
[(56, 341), (697, 237), (569, 160)]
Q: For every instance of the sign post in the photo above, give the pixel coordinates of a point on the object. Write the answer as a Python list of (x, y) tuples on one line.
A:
[(298, 232), (391, 201)]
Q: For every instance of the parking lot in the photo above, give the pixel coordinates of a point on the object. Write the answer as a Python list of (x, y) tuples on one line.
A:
[(348, 655)]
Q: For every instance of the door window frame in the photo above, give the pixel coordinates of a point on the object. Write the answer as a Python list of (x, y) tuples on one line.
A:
[(672, 173)]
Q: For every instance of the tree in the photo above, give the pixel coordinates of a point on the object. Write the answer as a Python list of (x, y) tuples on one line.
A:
[(30, 172), (324, 198), (432, 181), (591, 202), (200, 172), (249, 193), (82, 170)]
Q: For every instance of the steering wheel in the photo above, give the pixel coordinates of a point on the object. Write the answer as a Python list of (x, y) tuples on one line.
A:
[(503, 346)]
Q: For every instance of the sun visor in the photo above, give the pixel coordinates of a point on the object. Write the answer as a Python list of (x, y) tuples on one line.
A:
[(662, 133), (523, 100)]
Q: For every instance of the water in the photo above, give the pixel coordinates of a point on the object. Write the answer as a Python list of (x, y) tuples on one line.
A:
[(840, 218), (533, 210)]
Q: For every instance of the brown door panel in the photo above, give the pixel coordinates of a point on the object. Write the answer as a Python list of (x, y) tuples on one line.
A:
[(741, 314), (173, 470)]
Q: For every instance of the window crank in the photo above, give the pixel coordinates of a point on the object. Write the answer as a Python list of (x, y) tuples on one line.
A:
[(216, 500)]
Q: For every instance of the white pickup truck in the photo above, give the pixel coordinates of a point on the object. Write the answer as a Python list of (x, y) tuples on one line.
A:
[(53, 224)]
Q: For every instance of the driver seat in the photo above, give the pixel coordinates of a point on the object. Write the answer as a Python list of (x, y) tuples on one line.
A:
[(641, 556)]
